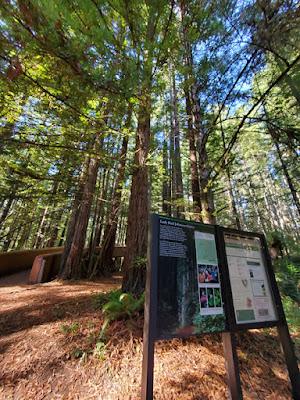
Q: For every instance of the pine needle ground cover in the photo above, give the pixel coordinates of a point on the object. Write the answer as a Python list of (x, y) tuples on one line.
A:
[(49, 350)]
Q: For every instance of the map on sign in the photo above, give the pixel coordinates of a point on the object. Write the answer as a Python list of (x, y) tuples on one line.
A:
[(252, 298)]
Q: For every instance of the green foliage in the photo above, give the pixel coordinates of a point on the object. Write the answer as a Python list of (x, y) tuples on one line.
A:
[(71, 329), (209, 323), (100, 350), (292, 313), (120, 306), (139, 262), (101, 298), (288, 278), (80, 354)]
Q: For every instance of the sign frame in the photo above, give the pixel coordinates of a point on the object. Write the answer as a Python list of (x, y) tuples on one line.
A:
[(234, 326), (231, 327)]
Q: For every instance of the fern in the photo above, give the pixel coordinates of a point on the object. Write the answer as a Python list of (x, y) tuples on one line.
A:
[(120, 306)]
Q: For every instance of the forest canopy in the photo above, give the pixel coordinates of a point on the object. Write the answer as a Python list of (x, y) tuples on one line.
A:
[(113, 109)]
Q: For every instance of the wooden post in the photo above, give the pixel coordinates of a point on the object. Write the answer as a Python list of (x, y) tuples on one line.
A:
[(290, 358), (228, 338), (150, 310), (232, 366), (283, 330)]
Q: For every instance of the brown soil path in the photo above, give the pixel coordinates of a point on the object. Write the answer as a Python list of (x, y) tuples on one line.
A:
[(38, 353)]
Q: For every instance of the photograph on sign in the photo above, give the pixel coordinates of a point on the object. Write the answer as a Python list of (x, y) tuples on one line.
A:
[(211, 314), (189, 286), (252, 297)]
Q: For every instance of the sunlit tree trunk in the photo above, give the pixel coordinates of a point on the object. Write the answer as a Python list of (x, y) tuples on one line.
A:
[(72, 258), (105, 261), (176, 160), (138, 211), (195, 186), (285, 171), (166, 189), (206, 195)]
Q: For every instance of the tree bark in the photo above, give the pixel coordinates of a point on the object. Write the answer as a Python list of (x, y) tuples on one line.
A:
[(233, 206), (105, 260), (176, 161), (285, 171), (137, 231), (195, 186), (71, 266), (6, 209), (166, 189), (206, 195), (41, 229)]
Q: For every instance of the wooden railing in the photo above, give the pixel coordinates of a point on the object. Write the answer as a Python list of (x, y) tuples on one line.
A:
[(44, 263)]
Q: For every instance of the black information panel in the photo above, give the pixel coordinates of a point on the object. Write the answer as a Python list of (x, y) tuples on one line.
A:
[(189, 283), (207, 279)]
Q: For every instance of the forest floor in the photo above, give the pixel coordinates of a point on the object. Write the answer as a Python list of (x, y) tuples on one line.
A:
[(48, 333)]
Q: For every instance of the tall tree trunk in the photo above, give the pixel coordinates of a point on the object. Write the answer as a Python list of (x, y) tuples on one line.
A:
[(40, 233), (105, 261), (176, 162), (50, 228), (71, 222), (206, 195), (285, 170), (25, 234), (12, 231), (255, 202), (233, 207), (62, 238), (55, 229), (137, 231), (71, 267), (195, 186), (135, 260), (166, 189), (207, 201), (288, 178), (101, 209), (6, 209)]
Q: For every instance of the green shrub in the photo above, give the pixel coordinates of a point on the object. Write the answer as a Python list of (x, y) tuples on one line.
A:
[(101, 298), (120, 305), (292, 313), (288, 278), (209, 323)]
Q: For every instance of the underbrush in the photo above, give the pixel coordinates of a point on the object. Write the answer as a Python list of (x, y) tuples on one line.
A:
[(117, 311), (96, 337), (292, 313), (288, 278)]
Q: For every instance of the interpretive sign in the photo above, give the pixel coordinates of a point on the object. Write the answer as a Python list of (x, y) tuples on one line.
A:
[(252, 297), (189, 290), (206, 279)]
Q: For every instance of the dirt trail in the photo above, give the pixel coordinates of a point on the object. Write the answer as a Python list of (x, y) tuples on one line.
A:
[(38, 353)]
